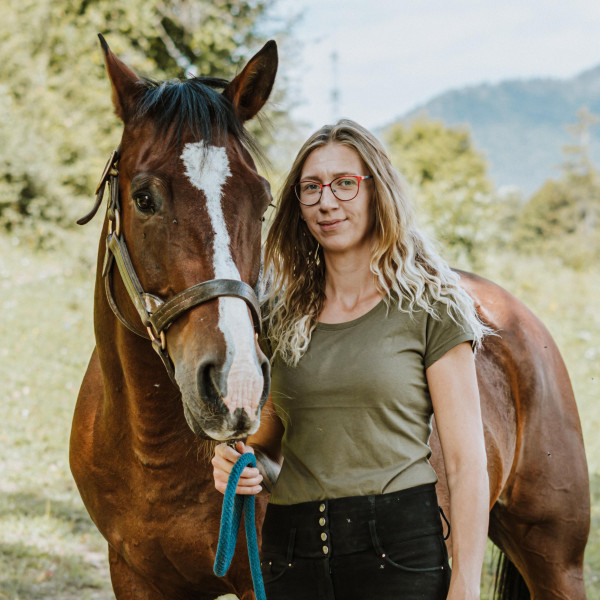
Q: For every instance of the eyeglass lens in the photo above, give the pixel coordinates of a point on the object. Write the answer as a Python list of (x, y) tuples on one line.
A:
[(343, 188)]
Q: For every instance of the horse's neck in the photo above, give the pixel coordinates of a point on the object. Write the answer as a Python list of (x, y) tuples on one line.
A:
[(147, 407), (141, 406)]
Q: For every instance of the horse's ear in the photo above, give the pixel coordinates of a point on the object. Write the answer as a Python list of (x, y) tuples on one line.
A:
[(251, 88), (123, 80)]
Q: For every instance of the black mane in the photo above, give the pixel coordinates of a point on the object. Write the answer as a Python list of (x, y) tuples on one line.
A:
[(195, 104)]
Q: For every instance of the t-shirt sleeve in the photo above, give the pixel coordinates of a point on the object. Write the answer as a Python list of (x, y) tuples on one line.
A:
[(443, 333)]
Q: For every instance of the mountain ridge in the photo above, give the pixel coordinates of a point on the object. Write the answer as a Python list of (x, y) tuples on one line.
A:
[(521, 125)]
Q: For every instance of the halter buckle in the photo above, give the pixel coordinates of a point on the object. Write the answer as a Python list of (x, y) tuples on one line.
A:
[(109, 169), (161, 339), (117, 222)]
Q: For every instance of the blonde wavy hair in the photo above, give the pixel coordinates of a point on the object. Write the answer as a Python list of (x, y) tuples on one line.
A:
[(405, 264)]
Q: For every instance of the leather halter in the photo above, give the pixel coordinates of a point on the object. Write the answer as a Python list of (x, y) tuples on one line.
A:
[(156, 315)]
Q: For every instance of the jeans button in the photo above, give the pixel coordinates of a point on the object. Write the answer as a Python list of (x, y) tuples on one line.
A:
[(322, 521)]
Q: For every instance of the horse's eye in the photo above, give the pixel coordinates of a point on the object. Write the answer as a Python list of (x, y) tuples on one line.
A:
[(145, 203)]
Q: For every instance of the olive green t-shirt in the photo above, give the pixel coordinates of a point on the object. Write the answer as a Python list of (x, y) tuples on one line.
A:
[(356, 409)]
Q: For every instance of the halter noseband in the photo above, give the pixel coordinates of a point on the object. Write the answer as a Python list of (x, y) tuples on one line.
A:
[(157, 315)]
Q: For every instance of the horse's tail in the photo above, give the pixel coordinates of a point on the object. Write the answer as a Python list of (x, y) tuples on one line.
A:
[(509, 583)]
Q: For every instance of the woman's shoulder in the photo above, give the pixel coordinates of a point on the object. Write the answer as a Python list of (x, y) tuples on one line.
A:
[(434, 310)]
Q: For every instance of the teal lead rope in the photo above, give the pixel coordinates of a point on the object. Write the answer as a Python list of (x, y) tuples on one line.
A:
[(233, 507)]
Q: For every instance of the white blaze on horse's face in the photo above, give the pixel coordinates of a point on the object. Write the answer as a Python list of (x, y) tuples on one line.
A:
[(207, 168)]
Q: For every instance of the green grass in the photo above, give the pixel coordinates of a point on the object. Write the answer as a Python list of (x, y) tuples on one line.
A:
[(49, 548)]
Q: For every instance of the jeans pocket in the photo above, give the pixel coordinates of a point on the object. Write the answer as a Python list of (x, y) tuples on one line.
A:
[(417, 555), (273, 567), (278, 560)]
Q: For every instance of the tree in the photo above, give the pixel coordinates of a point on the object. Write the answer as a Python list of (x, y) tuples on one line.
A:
[(448, 177), (563, 216), (57, 126)]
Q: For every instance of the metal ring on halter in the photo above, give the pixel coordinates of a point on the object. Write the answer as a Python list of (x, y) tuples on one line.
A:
[(161, 336), (117, 222)]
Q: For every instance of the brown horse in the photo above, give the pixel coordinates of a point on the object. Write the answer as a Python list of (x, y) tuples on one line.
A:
[(539, 487), (186, 197), (178, 260)]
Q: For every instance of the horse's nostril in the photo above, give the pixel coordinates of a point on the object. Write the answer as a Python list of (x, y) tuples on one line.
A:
[(209, 384)]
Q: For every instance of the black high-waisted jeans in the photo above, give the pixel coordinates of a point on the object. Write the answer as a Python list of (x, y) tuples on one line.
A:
[(382, 547)]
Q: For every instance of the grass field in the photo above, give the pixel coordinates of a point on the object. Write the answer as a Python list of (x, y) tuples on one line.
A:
[(49, 549)]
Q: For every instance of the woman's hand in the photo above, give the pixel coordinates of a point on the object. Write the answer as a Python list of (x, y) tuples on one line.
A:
[(463, 590), (223, 461)]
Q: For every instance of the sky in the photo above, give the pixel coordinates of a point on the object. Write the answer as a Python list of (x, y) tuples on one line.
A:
[(385, 57)]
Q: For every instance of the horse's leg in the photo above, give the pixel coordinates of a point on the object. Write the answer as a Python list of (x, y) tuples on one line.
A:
[(542, 521), (127, 584), (542, 517), (548, 554)]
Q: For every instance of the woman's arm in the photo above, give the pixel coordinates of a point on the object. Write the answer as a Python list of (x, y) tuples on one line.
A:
[(265, 444), (452, 383)]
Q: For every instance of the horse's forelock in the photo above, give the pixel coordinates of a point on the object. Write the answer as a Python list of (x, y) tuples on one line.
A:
[(193, 106)]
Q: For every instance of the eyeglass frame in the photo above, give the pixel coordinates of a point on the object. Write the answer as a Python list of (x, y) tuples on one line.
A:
[(324, 185)]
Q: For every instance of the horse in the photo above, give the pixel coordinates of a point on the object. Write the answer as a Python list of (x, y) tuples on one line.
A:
[(176, 322), (175, 364), (539, 484)]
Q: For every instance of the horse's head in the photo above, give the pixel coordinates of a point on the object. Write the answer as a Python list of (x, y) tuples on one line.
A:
[(191, 205)]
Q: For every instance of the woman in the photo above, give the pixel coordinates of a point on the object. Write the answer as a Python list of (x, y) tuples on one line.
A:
[(368, 333)]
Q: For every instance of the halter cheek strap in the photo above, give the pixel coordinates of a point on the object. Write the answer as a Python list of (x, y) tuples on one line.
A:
[(156, 314)]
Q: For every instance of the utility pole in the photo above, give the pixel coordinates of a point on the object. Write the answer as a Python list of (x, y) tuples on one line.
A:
[(335, 90)]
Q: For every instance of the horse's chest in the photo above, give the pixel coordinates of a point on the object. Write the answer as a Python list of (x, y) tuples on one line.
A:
[(158, 522), (161, 537)]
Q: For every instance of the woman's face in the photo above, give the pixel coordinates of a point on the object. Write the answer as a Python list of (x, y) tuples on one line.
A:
[(339, 226)]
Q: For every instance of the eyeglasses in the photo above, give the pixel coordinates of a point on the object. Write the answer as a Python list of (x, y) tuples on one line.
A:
[(344, 188)]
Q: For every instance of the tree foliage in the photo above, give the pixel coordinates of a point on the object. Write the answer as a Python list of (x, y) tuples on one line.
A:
[(563, 216), (56, 119), (448, 178)]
